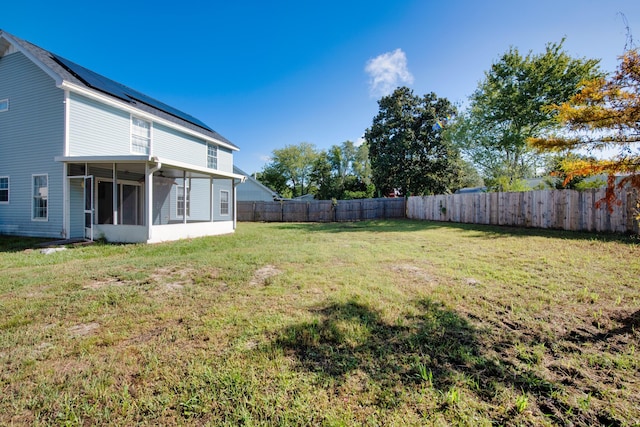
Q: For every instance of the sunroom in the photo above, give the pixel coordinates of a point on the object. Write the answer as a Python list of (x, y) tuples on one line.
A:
[(133, 199)]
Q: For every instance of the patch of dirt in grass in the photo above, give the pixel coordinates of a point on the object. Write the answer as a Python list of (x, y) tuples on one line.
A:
[(262, 275), (40, 350), (413, 271), (415, 276), (103, 283), (583, 356), (146, 336), (172, 278), (83, 329)]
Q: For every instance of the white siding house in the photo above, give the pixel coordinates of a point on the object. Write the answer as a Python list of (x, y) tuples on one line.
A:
[(82, 156), (253, 190)]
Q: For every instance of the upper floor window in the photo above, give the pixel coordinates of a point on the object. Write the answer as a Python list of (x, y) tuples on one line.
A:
[(40, 209), (140, 136), (212, 156), (4, 105), (4, 189)]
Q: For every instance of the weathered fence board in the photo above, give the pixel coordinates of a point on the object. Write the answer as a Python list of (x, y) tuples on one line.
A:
[(561, 209), (321, 210)]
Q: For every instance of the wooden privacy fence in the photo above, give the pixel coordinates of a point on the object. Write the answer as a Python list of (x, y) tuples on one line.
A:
[(321, 210), (561, 209)]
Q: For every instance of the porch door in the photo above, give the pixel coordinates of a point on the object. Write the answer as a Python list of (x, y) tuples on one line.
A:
[(88, 207), (128, 203)]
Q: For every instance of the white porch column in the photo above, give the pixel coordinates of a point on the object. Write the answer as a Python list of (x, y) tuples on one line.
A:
[(66, 208), (235, 215), (211, 198), (184, 193), (115, 194), (148, 199)]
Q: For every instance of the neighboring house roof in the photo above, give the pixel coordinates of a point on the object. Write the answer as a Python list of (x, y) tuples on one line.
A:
[(257, 183), (468, 190), (63, 70)]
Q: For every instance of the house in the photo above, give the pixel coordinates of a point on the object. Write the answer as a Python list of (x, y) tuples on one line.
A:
[(82, 156), (305, 197), (253, 190)]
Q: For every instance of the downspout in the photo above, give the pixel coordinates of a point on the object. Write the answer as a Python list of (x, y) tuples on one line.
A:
[(157, 167)]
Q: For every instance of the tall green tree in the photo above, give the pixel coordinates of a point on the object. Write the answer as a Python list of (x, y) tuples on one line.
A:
[(406, 147), (605, 114), (291, 165), (272, 177), (342, 172), (511, 105)]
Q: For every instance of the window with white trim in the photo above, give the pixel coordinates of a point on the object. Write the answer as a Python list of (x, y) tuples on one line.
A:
[(183, 203), (140, 136), (4, 189), (224, 202), (4, 105), (212, 156), (40, 211)]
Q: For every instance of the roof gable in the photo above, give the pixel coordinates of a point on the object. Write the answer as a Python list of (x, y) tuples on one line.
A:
[(250, 178), (63, 70)]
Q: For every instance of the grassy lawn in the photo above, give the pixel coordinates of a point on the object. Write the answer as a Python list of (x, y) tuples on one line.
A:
[(371, 323)]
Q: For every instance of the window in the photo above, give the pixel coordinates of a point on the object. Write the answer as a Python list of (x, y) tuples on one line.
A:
[(4, 189), (140, 136), (40, 197), (4, 105), (183, 203), (212, 156), (224, 202)]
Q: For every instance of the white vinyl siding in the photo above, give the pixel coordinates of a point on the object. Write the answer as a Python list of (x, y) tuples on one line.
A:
[(140, 136), (224, 202), (4, 189), (31, 135), (97, 129), (40, 211), (171, 144), (4, 105), (225, 159)]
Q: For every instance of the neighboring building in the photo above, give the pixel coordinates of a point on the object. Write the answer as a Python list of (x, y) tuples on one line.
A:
[(253, 190), (305, 197), (82, 156)]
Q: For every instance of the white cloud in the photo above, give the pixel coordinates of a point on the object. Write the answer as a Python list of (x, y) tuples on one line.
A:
[(388, 71)]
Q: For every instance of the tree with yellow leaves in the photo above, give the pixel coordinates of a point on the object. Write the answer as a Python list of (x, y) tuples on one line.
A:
[(604, 115)]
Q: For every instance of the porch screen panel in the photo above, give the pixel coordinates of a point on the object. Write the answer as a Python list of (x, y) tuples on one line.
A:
[(200, 199)]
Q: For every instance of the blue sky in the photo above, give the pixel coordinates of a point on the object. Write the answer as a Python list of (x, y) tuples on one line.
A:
[(266, 74)]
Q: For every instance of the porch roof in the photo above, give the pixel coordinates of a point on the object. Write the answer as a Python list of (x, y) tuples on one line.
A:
[(156, 162)]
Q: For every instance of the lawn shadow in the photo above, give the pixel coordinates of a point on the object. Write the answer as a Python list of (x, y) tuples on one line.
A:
[(479, 230), (630, 324), (378, 225), (19, 243), (436, 347)]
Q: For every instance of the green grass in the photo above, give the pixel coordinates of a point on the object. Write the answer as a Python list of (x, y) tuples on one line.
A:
[(369, 323)]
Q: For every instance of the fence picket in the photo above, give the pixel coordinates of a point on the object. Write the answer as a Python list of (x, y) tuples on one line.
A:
[(321, 210), (560, 209)]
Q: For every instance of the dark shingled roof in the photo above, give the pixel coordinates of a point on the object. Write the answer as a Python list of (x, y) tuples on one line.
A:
[(78, 75)]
